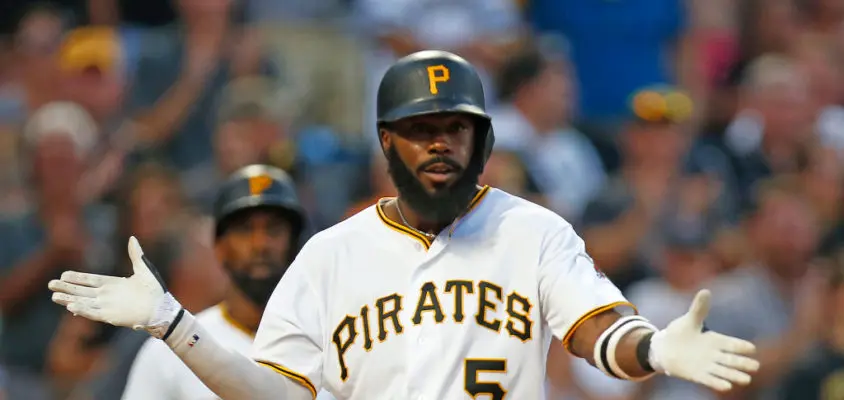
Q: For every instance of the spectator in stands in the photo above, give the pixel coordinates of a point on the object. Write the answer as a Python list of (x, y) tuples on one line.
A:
[(618, 47), (179, 71), (379, 184), (770, 133), (822, 20), (254, 123), (94, 74), (820, 375), (28, 80), (622, 225), (506, 170), (822, 181), (686, 266), (94, 71), (35, 43), (533, 121), (825, 81), (775, 299), (685, 263), (305, 39), (61, 233), (3, 383), (154, 209)]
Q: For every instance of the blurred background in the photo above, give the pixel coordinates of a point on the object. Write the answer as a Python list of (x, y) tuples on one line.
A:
[(690, 142)]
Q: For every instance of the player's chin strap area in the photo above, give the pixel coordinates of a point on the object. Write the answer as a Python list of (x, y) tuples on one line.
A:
[(605, 348)]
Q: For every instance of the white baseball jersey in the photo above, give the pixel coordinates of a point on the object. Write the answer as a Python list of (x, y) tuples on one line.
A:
[(157, 373), (381, 312)]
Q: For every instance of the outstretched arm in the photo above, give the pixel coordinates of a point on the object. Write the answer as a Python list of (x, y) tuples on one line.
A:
[(630, 348), (579, 304), (585, 338), (142, 302)]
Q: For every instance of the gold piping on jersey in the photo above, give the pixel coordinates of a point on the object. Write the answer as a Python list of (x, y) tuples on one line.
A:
[(399, 227), (591, 313), (300, 379), (234, 323), (477, 199), (416, 235), (474, 203)]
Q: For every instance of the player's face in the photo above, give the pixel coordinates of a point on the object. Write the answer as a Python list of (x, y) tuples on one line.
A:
[(254, 250), (437, 148), (429, 161)]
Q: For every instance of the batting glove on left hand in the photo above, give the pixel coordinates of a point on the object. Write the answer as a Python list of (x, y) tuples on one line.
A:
[(683, 350), (140, 301)]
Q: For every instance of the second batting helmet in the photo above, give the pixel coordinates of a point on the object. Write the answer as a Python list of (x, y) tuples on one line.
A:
[(258, 186), (432, 82)]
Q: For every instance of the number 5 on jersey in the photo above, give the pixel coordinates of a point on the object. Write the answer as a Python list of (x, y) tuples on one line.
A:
[(477, 387)]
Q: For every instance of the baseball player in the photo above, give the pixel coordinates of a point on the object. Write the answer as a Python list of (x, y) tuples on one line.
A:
[(449, 291), (258, 227)]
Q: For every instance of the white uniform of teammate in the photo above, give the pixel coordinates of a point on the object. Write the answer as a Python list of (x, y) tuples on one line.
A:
[(385, 314), (159, 374)]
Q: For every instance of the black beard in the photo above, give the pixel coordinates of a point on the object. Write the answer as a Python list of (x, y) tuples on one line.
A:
[(446, 203), (258, 290)]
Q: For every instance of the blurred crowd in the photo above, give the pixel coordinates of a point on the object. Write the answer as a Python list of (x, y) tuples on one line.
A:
[(692, 143)]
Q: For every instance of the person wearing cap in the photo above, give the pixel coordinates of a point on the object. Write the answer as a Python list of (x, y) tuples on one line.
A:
[(252, 124), (258, 228), (625, 216), (93, 64)]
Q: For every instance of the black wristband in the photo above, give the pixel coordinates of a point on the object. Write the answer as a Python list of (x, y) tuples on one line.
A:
[(173, 325), (643, 350)]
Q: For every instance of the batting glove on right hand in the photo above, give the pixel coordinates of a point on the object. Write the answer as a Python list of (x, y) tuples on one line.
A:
[(140, 301), (683, 350)]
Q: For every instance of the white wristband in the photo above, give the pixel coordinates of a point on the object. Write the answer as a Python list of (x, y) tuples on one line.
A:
[(604, 352)]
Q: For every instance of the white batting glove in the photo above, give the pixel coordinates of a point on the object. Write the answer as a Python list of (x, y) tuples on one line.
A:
[(139, 302), (684, 351)]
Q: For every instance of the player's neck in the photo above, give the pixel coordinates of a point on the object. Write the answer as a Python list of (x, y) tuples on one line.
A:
[(242, 312), (406, 216)]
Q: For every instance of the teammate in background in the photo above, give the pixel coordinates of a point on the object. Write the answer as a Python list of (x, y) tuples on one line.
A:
[(448, 291), (258, 228)]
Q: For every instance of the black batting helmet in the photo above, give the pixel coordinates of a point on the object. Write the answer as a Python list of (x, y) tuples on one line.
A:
[(432, 82), (258, 186)]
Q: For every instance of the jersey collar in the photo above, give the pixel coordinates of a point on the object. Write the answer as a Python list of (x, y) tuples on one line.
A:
[(398, 227)]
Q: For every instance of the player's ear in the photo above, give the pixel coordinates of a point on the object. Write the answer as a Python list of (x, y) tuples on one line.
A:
[(385, 137)]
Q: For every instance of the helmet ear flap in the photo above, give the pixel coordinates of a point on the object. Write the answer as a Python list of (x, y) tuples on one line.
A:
[(484, 141), (489, 143)]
